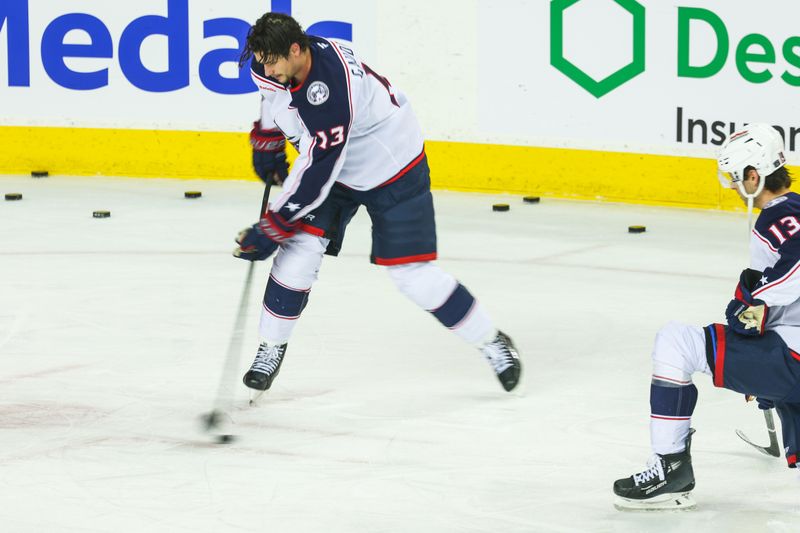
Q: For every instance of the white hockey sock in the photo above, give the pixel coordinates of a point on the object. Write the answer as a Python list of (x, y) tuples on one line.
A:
[(437, 292), (668, 435), (274, 329)]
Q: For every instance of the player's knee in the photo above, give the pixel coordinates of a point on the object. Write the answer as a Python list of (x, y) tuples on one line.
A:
[(297, 263), (673, 346), (669, 337), (424, 283)]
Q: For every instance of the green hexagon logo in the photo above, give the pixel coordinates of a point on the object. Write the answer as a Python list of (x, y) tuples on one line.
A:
[(624, 74)]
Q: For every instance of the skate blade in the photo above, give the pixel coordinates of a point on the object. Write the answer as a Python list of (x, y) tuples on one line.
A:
[(678, 501), (255, 397)]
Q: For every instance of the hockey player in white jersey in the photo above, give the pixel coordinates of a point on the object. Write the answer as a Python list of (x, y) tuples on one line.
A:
[(359, 144), (755, 353)]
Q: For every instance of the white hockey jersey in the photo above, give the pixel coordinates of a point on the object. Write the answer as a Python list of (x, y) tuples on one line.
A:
[(348, 124)]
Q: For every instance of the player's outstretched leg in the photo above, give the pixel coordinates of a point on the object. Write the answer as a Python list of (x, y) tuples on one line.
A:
[(265, 367), (456, 309), (503, 356), (666, 483)]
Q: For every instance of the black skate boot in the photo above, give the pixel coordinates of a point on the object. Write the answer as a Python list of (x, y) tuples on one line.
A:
[(665, 484), (503, 357), (265, 367)]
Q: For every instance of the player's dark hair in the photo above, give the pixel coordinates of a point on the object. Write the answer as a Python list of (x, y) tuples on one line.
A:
[(780, 179), (272, 36)]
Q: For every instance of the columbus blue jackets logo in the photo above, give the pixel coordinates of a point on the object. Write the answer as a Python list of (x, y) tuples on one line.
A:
[(318, 93)]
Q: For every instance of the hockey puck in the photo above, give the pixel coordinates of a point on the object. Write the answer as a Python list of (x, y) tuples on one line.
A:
[(13, 196), (500, 207), (39, 173), (531, 199), (192, 194), (101, 214), (636, 229), (225, 439)]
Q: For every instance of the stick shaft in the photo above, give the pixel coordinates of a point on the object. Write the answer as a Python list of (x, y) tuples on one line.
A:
[(224, 400)]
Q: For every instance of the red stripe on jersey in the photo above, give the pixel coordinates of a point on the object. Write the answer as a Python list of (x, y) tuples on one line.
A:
[(408, 167), (795, 354), (286, 194), (675, 418), (719, 365), (311, 229), (407, 259), (776, 283), (765, 241)]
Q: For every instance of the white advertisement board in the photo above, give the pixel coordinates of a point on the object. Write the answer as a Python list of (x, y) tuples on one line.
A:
[(641, 76)]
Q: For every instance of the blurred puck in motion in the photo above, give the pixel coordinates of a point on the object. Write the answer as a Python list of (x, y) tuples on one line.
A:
[(636, 229), (192, 194), (225, 439), (13, 196), (500, 207), (101, 214), (39, 173), (531, 199)]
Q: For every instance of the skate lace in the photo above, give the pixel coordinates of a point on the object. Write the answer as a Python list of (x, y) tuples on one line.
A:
[(267, 359), (499, 354), (654, 470)]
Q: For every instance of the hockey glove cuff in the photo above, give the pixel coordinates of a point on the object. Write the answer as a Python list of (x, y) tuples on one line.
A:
[(747, 315), (269, 154), (254, 245), (260, 241)]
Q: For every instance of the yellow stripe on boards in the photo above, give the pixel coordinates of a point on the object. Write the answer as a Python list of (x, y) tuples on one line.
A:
[(547, 172), (122, 152), (579, 174)]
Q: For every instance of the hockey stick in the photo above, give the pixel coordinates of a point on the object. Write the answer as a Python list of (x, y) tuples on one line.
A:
[(773, 449), (223, 402)]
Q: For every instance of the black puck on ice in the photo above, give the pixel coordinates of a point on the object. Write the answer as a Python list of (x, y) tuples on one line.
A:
[(101, 214), (500, 207), (192, 194), (531, 199), (13, 196), (636, 229), (39, 173), (225, 439)]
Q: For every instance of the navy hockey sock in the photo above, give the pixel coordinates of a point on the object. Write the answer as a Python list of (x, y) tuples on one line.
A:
[(671, 408), (284, 302), (455, 308)]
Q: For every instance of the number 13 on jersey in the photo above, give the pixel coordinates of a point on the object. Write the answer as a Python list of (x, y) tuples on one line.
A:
[(333, 138)]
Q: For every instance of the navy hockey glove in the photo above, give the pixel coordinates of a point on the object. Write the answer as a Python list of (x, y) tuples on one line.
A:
[(747, 315), (269, 154), (765, 404), (260, 240)]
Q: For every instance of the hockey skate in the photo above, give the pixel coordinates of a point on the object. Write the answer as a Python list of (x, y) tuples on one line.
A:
[(264, 369), (665, 484), (503, 357)]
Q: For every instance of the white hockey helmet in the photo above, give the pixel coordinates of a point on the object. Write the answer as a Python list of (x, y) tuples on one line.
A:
[(759, 146)]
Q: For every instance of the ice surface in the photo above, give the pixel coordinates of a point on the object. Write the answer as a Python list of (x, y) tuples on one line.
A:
[(113, 333)]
